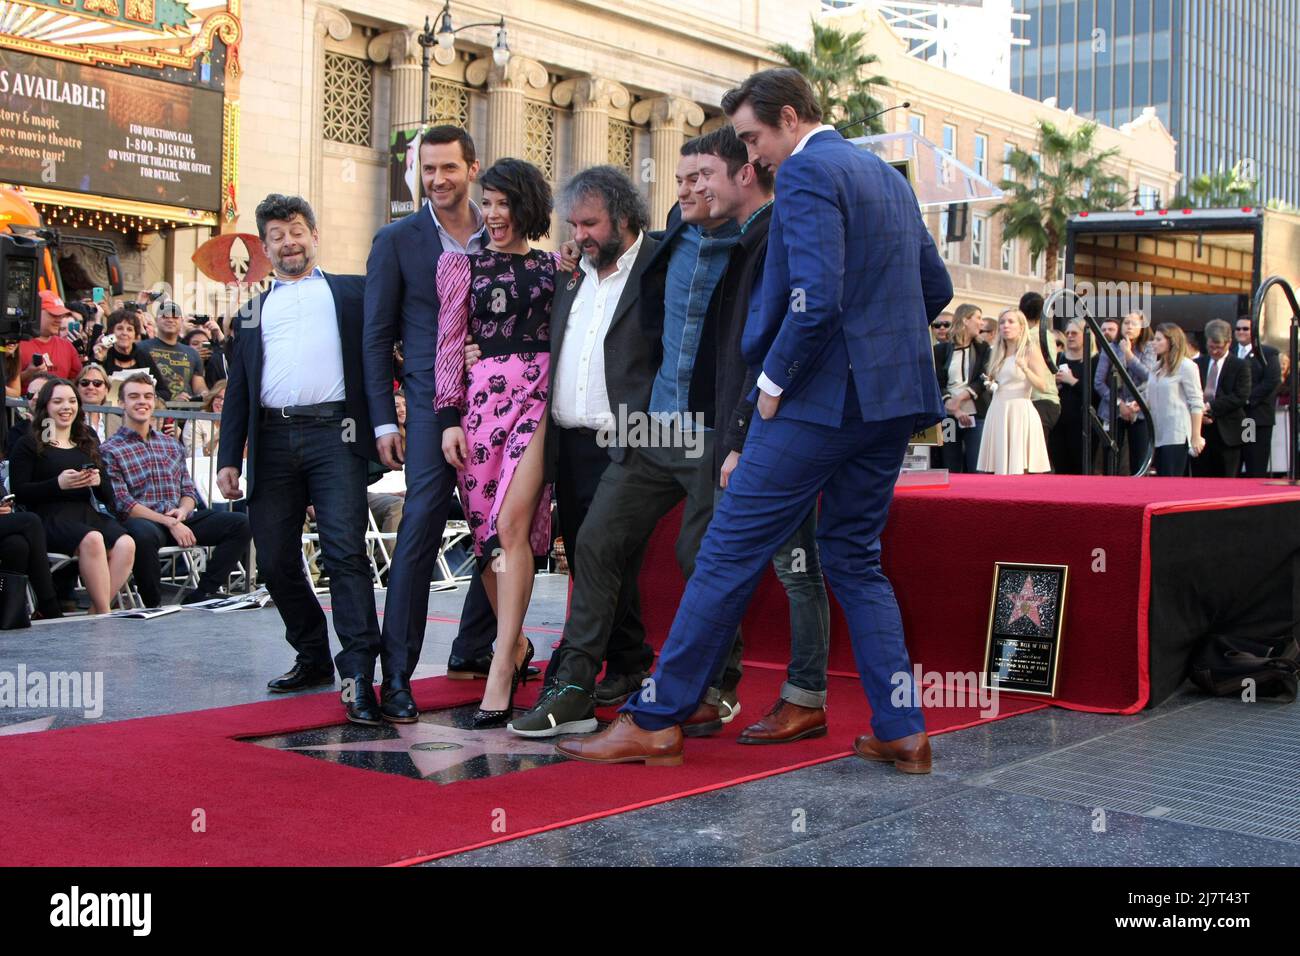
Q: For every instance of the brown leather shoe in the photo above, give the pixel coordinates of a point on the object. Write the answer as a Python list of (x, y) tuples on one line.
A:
[(910, 754), (785, 723), (624, 742), (706, 720)]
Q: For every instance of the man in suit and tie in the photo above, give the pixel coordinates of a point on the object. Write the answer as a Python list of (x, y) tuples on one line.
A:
[(841, 334), (296, 395), (1226, 381), (1265, 379)]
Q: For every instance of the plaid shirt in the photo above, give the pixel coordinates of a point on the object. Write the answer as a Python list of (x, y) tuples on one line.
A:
[(150, 473)]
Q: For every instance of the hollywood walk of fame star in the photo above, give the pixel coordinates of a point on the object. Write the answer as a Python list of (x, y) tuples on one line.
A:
[(435, 748), (1027, 604)]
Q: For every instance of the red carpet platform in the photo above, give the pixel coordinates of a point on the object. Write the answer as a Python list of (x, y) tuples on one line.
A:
[(126, 793), (1182, 557)]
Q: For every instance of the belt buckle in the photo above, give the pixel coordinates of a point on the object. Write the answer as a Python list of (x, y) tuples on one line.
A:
[(284, 414)]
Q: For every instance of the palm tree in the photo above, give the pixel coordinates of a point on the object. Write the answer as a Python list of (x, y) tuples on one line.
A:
[(1063, 177), (1223, 189), (834, 66)]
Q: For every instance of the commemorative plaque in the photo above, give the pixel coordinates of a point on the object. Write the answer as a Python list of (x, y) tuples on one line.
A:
[(1024, 641)]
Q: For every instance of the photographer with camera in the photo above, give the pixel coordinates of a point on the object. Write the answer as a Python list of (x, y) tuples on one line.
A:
[(120, 351)]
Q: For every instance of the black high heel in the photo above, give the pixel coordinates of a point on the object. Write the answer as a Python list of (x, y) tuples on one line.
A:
[(522, 670), (492, 719)]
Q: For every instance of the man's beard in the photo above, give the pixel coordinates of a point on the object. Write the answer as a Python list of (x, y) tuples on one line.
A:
[(607, 253), (283, 269)]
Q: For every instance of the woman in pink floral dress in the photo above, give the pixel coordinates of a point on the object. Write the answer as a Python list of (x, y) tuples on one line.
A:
[(494, 414)]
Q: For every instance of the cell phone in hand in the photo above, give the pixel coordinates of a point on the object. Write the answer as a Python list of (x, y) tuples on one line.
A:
[(88, 466)]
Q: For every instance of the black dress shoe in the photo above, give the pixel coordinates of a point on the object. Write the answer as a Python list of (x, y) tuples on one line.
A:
[(398, 706), (300, 677), (359, 701), (462, 668)]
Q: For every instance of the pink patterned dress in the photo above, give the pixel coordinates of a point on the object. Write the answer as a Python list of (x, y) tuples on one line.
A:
[(504, 301)]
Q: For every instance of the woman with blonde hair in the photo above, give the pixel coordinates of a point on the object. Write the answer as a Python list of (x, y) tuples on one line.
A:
[(1174, 395), (1013, 442)]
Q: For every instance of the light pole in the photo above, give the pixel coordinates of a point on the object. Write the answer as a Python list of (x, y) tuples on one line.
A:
[(445, 37)]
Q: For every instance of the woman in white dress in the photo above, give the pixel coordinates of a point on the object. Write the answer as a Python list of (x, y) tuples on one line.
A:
[(1013, 442)]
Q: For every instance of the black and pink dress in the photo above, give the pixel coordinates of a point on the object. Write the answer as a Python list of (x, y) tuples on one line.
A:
[(504, 301)]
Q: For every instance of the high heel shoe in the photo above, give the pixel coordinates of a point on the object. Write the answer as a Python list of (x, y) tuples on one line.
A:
[(521, 671), (492, 719)]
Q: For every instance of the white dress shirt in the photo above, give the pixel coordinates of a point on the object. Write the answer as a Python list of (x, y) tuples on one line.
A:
[(765, 383), (302, 354), (579, 395)]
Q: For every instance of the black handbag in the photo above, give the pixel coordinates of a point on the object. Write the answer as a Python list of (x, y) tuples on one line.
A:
[(13, 601)]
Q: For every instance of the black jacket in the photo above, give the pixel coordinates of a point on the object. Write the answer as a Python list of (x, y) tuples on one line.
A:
[(1231, 396), (1265, 381), (721, 382), (630, 359), (943, 358), (240, 417)]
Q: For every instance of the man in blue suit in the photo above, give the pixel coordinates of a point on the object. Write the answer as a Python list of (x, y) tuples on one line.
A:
[(840, 332), (402, 305)]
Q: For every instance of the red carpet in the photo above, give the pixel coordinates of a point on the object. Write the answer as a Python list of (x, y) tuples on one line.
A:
[(939, 549), (126, 793)]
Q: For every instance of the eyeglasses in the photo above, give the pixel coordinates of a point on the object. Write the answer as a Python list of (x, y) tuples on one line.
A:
[(941, 325), (87, 382), (1243, 328)]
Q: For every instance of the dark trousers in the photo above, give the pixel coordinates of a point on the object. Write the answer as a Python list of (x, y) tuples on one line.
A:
[(961, 455), (583, 464), (478, 624), (1171, 461), (304, 461), (429, 483), (23, 551), (1049, 413), (1254, 454), (785, 466), (631, 498), (1217, 459), (227, 532)]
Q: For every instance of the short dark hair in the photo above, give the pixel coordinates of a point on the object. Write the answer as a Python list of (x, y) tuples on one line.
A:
[(123, 315), (726, 145), (283, 208), (189, 336), (768, 91), (451, 134), (624, 204), (692, 146), (1031, 304), (526, 191)]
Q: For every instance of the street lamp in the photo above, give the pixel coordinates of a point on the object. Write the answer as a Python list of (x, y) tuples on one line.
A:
[(445, 37)]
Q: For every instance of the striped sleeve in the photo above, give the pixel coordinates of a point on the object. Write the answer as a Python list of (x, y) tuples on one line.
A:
[(453, 323)]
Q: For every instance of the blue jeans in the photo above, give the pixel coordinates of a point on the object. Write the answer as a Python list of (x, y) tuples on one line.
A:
[(785, 465), (962, 455), (307, 461)]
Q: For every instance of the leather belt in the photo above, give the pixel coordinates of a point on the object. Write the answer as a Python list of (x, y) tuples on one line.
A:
[(323, 410)]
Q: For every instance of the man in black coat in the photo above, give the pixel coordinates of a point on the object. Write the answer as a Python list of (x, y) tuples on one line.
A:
[(1265, 380), (1226, 383), (296, 395)]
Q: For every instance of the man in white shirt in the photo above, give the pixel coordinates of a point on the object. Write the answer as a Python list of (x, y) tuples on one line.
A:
[(296, 396)]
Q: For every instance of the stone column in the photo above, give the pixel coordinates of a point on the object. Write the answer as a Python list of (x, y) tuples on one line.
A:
[(505, 89), (668, 116), (592, 97), (328, 22), (400, 50)]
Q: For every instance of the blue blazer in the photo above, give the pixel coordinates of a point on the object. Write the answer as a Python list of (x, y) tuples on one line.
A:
[(401, 303), (851, 282)]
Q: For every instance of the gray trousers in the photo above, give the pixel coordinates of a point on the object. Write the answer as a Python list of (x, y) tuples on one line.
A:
[(798, 567)]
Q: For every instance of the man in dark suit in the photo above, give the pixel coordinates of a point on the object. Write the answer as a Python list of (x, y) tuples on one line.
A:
[(296, 395), (1226, 382), (402, 305), (841, 334), (1265, 380)]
